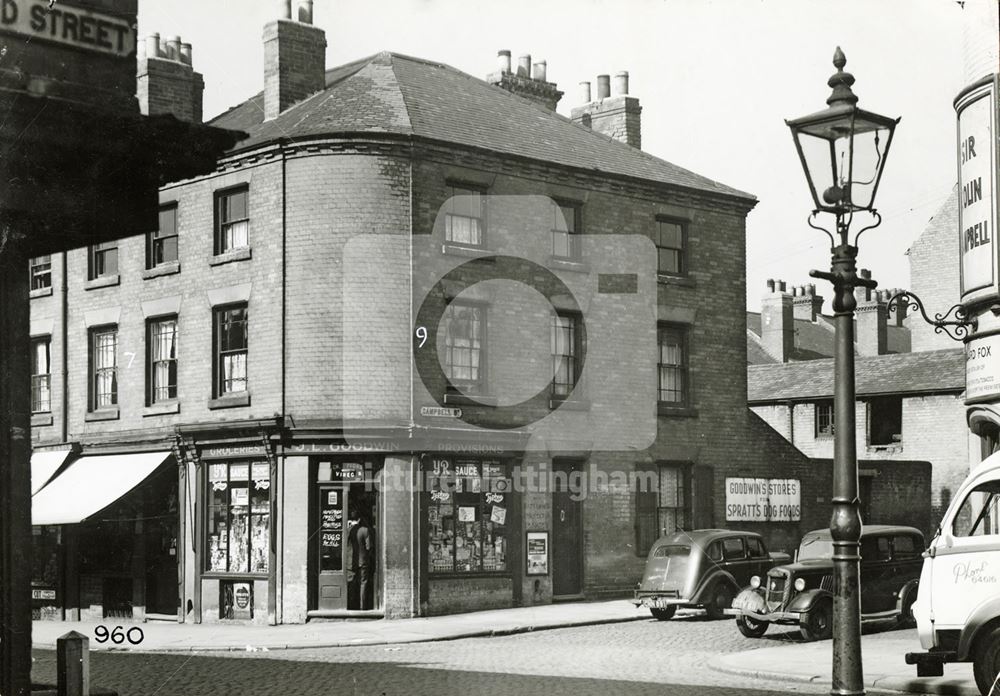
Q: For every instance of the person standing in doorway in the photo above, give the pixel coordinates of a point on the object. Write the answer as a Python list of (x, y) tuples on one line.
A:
[(361, 539)]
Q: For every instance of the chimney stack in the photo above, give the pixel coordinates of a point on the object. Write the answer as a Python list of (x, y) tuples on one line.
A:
[(529, 81), (805, 304), (776, 322), (871, 321), (617, 116), (294, 58), (165, 81)]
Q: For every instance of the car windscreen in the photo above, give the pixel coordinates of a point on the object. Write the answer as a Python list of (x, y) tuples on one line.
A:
[(815, 546), (671, 550)]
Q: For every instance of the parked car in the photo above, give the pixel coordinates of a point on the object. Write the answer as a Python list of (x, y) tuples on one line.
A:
[(958, 609), (701, 568), (801, 593)]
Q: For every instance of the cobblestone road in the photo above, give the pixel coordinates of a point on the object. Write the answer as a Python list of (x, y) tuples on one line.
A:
[(632, 659)]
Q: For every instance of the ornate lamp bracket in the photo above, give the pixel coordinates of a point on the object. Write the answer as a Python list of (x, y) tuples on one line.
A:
[(956, 322)]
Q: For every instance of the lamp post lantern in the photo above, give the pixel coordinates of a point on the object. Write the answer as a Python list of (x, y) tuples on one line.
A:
[(843, 151)]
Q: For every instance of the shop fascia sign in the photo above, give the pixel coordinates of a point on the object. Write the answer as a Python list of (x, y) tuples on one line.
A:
[(976, 109), (982, 368), (763, 500), (67, 25)]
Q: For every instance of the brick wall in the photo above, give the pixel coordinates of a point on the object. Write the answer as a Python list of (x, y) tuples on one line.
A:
[(934, 266), (47, 321)]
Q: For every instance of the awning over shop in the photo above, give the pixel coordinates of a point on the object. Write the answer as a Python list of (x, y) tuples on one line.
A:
[(90, 484), (43, 465)]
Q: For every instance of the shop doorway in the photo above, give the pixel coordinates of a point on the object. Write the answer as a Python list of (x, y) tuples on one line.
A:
[(567, 530), (345, 539)]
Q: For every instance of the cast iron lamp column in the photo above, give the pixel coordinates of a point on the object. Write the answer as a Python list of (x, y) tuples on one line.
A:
[(843, 151)]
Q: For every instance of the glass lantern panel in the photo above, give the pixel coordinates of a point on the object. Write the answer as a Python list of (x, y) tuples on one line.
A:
[(816, 156), (869, 158)]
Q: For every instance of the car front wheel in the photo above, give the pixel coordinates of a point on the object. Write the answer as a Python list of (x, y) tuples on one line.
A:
[(817, 624), (664, 614), (986, 663), (751, 628), (721, 599)]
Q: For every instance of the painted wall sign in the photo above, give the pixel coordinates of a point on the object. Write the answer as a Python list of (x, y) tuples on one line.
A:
[(977, 194), (440, 412), (763, 500), (982, 368), (72, 26)]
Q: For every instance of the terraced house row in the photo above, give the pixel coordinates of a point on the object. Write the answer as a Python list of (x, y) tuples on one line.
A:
[(407, 294)]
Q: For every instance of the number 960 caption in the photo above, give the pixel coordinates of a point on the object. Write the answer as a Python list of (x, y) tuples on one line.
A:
[(117, 635)]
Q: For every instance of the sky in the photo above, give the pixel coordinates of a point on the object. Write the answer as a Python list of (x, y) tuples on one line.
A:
[(716, 80)]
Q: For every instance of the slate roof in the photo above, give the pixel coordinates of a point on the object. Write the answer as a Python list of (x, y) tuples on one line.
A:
[(903, 373), (814, 340), (389, 93)]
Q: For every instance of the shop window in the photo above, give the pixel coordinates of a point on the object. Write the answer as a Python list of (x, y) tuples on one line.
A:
[(885, 421), (824, 418), (161, 347), (565, 231), (463, 219), (232, 220), (467, 516), (231, 348), (161, 244), (566, 350), (103, 260), (672, 366), (671, 254), (662, 509), (464, 347), (41, 375), (239, 517), (103, 367), (40, 269)]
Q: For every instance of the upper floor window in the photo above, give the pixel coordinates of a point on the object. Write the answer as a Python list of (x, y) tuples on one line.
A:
[(161, 246), (41, 272), (672, 365), (463, 220), (41, 375), (565, 231), (103, 259), (232, 220), (566, 340), (671, 252), (103, 367), (885, 421), (464, 346), (231, 347), (161, 347), (824, 418)]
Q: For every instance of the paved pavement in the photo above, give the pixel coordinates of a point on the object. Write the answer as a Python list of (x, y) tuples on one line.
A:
[(881, 654), (176, 637)]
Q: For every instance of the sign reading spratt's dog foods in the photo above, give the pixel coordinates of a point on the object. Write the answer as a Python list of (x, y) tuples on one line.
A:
[(763, 500)]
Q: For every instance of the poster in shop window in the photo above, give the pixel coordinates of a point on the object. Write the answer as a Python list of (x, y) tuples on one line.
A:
[(537, 547)]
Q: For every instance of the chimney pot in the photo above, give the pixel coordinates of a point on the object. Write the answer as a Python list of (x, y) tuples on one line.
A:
[(174, 48), (781, 286), (621, 82), (795, 291), (284, 9), (503, 61), (524, 65), (305, 11), (585, 92), (812, 288), (603, 86), (770, 285), (865, 273), (186, 53), (153, 46), (538, 71)]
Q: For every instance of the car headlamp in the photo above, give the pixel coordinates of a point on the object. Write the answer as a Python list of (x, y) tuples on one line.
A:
[(755, 581), (800, 584)]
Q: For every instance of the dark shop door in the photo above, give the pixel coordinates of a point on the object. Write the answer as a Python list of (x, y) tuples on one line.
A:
[(567, 532), (331, 539)]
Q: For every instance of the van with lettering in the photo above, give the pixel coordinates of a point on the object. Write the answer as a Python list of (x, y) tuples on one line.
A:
[(958, 606)]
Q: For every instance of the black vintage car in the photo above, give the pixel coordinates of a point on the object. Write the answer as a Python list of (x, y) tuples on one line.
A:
[(701, 568), (801, 593)]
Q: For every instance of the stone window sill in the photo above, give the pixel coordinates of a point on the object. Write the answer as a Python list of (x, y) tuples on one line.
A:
[(102, 282), (161, 409), (230, 400), (241, 254), (570, 404), (163, 269), (682, 281), (668, 409), (566, 264), (40, 419), (888, 449), (471, 252), (40, 292), (470, 400), (102, 414)]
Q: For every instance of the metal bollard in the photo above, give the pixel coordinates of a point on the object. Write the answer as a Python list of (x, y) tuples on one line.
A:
[(73, 664)]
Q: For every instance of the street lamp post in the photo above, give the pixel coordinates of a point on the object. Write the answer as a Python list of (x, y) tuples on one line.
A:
[(843, 150)]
